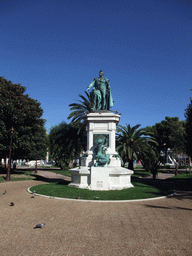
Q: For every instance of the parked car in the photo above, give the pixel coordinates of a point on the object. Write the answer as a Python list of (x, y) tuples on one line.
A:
[(33, 162), (51, 162)]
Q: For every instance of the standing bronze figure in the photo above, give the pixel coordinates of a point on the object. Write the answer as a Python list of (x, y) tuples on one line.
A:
[(101, 93)]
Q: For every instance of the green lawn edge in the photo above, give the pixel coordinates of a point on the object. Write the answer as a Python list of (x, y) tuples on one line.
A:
[(139, 191)]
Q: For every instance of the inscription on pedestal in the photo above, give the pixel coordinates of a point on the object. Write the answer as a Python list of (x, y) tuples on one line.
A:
[(99, 178), (101, 126), (100, 184)]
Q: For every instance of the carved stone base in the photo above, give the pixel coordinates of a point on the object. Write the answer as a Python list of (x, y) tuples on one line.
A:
[(101, 124), (101, 178)]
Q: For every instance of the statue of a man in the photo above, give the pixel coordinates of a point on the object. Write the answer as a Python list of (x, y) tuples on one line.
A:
[(101, 93)]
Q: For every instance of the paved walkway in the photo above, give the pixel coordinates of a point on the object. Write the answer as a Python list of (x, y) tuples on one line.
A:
[(52, 175), (156, 227)]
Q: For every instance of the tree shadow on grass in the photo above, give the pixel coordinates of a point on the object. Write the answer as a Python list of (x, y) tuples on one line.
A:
[(160, 193), (3, 170), (59, 181)]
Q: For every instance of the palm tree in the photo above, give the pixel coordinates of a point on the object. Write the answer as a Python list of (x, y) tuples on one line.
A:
[(131, 141), (79, 110), (150, 157)]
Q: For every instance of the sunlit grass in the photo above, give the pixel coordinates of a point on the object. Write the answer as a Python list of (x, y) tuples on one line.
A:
[(140, 191), (140, 173), (17, 175), (1, 179)]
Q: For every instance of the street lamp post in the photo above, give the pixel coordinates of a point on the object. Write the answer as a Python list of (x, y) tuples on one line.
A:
[(11, 131)]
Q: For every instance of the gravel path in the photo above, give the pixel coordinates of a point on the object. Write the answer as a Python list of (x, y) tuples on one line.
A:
[(157, 227)]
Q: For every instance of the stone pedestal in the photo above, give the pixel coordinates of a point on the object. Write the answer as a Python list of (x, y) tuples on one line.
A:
[(101, 178)]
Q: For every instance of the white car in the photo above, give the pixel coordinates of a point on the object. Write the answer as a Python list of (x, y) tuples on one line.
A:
[(33, 162)]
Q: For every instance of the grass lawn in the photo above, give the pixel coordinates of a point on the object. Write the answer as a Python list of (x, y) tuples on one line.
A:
[(140, 191), (1, 179), (181, 181), (17, 175), (139, 167), (182, 176), (26, 174), (16, 178), (140, 173)]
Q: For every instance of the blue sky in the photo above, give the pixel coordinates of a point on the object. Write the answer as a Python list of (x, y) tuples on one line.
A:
[(55, 48)]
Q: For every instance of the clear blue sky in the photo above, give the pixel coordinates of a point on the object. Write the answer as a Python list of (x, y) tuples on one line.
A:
[(56, 47)]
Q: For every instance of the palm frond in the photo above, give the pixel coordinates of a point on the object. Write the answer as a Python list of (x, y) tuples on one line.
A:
[(80, 109)]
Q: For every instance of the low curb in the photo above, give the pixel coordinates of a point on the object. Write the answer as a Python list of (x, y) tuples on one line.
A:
[(100, 201)]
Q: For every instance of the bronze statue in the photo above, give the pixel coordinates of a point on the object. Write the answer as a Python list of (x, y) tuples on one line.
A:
[(101, 93), (102, 159)]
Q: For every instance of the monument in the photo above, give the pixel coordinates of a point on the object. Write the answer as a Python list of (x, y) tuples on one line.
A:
[(101, 94), (100, 167)]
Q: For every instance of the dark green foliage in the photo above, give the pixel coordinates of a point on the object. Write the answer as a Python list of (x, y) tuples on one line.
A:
[(66, 143), (188, 116), (19, 111), (150, 157), (134, 143), (79, 110), (170, 133)]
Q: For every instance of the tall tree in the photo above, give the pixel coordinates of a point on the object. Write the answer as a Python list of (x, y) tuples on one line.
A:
[(150, 156), (131, 141), (170, 133), (188, 116), (23, 113), (66, 143)]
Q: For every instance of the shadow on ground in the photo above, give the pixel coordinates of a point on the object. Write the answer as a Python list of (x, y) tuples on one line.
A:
[(168, 208), (168, 184), (31, 173), (59, 181)]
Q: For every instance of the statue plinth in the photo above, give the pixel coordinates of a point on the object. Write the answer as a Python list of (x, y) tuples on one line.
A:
[(94, 172), (103, 124)]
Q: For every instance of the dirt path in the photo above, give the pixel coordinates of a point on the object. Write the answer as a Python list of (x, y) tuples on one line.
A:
[(156, 227)]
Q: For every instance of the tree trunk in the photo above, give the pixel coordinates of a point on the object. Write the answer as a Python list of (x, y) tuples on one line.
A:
[(130, 164), (14, 166), (36, 166), (176, 170), (6, 163), (154, 175)]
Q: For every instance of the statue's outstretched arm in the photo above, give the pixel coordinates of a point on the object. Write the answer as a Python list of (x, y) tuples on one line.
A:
[(91, 85)]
